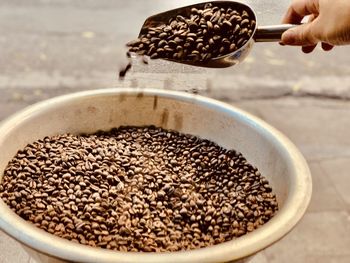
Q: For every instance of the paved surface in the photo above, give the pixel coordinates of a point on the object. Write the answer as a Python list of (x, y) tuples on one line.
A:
[(48, 48)]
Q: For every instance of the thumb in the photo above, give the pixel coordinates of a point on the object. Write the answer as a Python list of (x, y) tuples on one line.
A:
[(302, 35)]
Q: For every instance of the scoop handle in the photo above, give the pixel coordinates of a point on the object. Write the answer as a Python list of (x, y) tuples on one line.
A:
[(271, 33)]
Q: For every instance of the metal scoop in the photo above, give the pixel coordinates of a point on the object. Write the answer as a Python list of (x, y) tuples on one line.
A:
[(260, 33)]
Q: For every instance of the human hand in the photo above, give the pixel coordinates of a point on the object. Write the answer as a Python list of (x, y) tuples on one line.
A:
[(329, 23)]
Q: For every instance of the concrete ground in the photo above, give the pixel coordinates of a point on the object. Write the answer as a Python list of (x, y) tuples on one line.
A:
[(52, 47)]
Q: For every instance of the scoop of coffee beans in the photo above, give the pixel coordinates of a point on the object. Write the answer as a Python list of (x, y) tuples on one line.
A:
[(137, 189), (200, 36)]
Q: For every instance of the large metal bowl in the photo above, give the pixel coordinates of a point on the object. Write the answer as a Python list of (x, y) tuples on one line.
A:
[(86, 112)]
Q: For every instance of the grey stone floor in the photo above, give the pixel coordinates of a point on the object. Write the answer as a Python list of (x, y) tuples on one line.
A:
[(54, 47)]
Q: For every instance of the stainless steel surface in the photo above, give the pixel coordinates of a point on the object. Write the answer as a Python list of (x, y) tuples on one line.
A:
[(271, 33), (261, 34), (266, 148)]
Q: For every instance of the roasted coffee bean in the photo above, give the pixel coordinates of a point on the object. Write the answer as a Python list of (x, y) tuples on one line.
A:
[(123, 71), (245, 23), (163, 35), (168, 49), (245, 14), (191, 35), (190, 39), (172, 44), (211, 42), (217, 28), (133, 43), (137, 189), (252, 24), (154, 56), (155, 39), (187, 45), (227, 24), (222, 50), (192, 26), (236, 30), (241, 41), (162, 43), (209, 25), (178, 40), (200, 46)]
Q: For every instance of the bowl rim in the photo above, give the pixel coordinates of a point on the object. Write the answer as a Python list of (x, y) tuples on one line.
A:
[(283, 222)]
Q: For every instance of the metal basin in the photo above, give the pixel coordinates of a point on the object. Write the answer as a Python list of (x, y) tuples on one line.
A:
[(86, 112)]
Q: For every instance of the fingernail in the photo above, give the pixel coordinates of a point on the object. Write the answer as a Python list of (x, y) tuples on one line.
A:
[(288, 37)]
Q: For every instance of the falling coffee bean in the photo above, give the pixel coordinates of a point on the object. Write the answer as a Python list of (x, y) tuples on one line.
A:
[(123, 71)]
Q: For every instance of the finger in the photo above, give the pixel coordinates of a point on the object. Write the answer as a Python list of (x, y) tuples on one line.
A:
[(308, 49), (300, 36), (291, 17), (299, 9), (327, 47), (312, 17)]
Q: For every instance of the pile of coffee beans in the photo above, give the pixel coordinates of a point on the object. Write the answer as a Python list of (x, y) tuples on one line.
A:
[(203, 34), (137, 189)]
